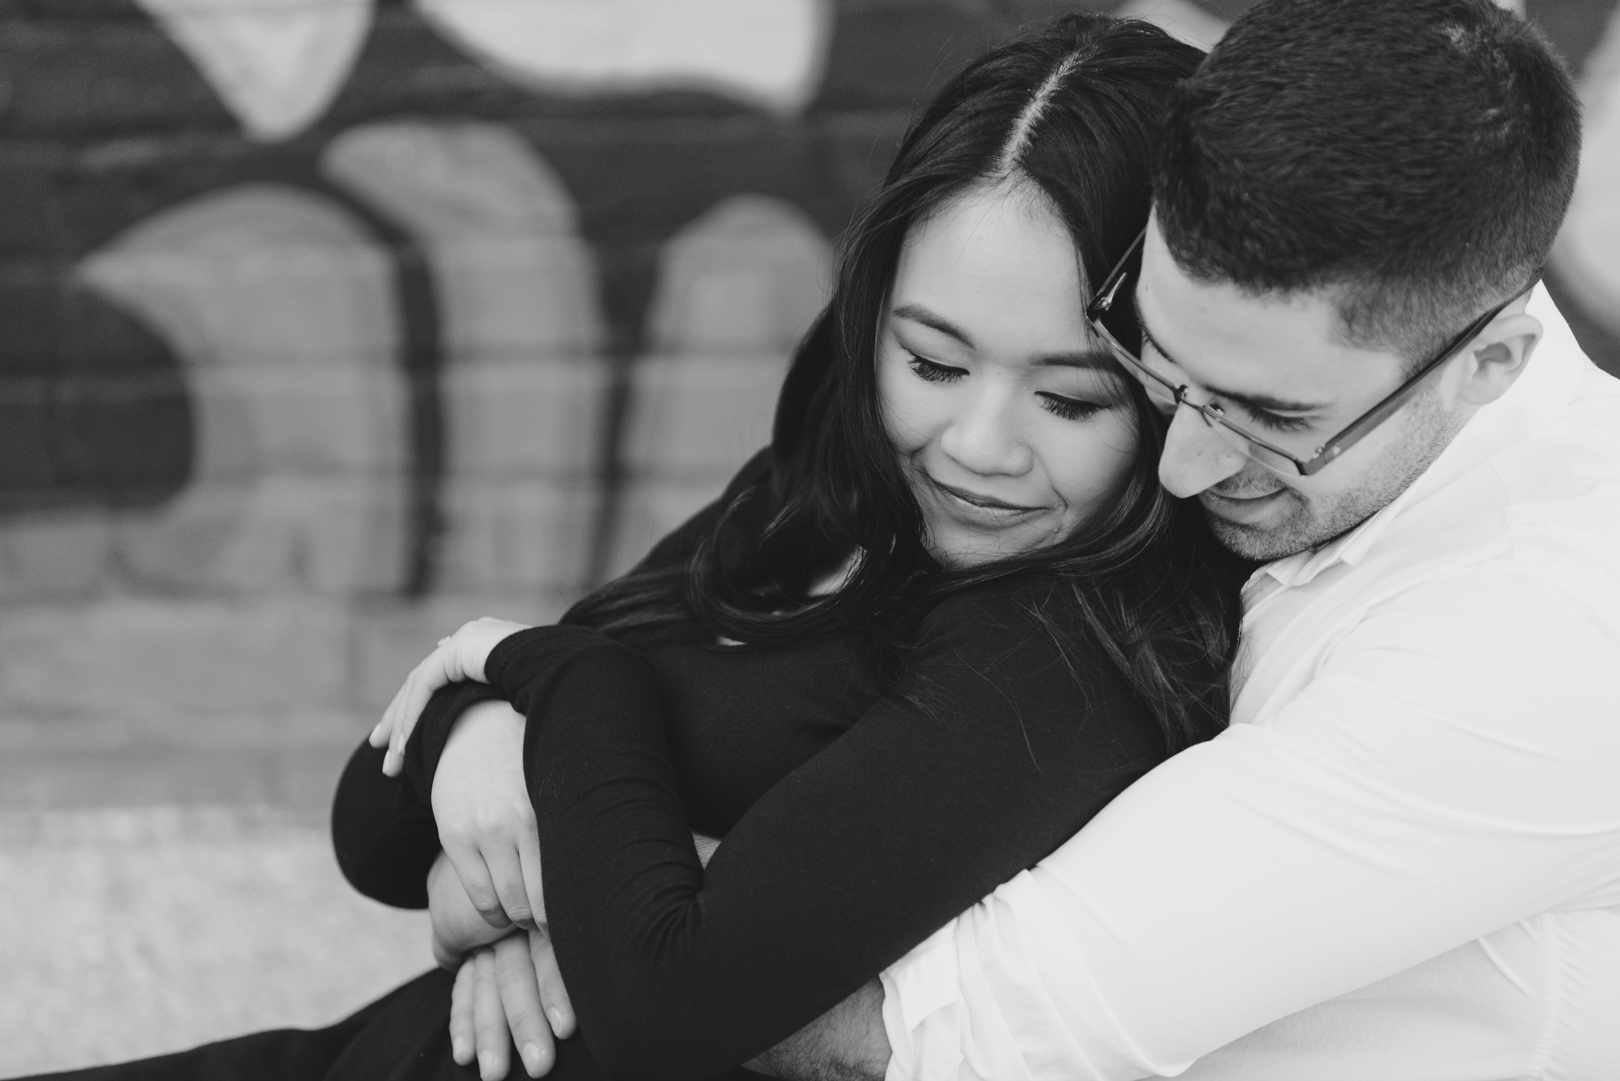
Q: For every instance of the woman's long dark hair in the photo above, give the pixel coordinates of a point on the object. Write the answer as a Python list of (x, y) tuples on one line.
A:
[(1071, 109)]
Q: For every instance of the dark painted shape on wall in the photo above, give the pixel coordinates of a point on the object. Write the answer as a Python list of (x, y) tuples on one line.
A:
[(422, 356), (93, 410), (78, 70), (1574, 27)]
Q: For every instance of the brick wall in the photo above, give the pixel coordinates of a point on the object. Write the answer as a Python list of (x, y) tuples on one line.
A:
[(329, 325)]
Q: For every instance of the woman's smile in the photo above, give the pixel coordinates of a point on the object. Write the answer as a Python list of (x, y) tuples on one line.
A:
[(976, 508)]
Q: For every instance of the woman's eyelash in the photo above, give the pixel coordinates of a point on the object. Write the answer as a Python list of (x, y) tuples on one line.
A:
[(1065, 408), (1069, 408), (934, 373)]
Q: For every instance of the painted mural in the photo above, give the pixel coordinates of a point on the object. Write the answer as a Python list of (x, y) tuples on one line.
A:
[(330, 323)]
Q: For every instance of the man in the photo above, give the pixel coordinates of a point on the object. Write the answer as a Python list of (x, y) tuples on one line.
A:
[(1403, 859)]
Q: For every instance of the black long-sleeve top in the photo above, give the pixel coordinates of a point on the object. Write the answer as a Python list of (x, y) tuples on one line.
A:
[(855, 822)]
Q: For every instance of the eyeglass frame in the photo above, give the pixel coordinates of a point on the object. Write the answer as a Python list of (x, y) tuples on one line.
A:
[(1103, 302)]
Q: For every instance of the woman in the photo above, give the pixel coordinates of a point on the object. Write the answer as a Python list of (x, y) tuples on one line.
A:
[(919, 642)]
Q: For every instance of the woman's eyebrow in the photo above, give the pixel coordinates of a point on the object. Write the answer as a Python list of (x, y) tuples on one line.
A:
[(916, 313), (1261, 403)]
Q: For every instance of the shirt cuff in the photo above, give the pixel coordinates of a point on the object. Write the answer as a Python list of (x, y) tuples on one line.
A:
[(921, 1012)]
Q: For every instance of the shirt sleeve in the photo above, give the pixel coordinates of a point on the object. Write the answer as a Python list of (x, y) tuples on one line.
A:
[(432, 731), (1448, 772), (382, 833), (382, 828), (990, 751)]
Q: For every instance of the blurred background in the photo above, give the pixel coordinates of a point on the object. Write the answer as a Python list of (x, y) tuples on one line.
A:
[(326, 325)]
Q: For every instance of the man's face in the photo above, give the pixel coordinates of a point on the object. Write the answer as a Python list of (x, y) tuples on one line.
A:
[(1280, 368)]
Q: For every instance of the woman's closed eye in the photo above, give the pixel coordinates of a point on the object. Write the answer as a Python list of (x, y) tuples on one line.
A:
[(1068, 408), (933, 371)]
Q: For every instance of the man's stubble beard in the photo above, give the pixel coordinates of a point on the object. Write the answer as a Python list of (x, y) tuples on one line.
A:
[(1429, 430)]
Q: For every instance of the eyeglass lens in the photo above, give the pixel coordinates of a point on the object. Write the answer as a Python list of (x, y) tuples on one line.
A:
[(1162, 385)]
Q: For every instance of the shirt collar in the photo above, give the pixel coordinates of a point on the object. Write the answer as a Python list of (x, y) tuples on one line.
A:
[(1537, 397)]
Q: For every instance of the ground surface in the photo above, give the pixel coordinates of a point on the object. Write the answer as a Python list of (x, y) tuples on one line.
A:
[(128, 931)]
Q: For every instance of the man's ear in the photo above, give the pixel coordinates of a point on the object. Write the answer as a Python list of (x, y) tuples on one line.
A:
[(1498, 356)]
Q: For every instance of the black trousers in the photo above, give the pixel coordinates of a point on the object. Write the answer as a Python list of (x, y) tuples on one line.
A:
[(403, 1036)]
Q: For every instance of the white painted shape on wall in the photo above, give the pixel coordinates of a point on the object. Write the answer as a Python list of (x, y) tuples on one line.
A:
[(524, 381), (499, 228), (1587, 255), (1179, 18), (749, 274), (284, 314), (737, 288), (276, 64), (767, 52)]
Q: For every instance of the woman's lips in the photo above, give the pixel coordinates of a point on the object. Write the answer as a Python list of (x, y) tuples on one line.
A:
[(980, 507)]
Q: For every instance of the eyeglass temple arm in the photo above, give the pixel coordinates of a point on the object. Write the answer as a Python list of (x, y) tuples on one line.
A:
[(1403, 393)]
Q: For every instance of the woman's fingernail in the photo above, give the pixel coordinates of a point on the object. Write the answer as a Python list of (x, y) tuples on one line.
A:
[(533, 1059), (556, 1016), (459, 1050), (486, 1065)]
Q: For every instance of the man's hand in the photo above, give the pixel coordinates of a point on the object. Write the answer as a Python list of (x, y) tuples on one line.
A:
[(486, 823), (847, 1043), (505, 994)]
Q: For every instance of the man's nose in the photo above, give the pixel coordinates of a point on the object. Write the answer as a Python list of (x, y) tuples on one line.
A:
[(1196, 456), (984, 438)]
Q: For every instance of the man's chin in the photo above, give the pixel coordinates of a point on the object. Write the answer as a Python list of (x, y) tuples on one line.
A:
[(1259, 545), (1258, 530)]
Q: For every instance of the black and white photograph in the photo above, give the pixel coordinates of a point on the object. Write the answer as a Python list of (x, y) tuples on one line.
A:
[(831, 540)]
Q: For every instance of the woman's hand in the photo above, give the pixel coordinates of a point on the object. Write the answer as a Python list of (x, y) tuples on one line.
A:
[(510, 993), (486, 823), (458, 927), (460, 656)]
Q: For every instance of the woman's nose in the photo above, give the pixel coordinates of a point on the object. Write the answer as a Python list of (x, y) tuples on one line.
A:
[(984, 437)]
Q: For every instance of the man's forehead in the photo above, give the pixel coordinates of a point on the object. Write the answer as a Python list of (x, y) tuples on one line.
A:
[(1282, 347)]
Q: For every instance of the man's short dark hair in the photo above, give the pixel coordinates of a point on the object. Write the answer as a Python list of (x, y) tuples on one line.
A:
[(1415, 157)]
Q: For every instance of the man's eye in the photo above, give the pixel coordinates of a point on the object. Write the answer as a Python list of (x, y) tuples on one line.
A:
[(1276, 423), (1069, 408), (935, 373)]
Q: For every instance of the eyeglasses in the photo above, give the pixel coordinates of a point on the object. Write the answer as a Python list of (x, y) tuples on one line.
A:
[(1116, 323)]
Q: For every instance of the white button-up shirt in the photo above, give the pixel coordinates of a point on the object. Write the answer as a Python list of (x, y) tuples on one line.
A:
[(1402, 860)]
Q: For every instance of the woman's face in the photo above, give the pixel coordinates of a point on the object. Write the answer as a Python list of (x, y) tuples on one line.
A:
[(1012, 424)]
